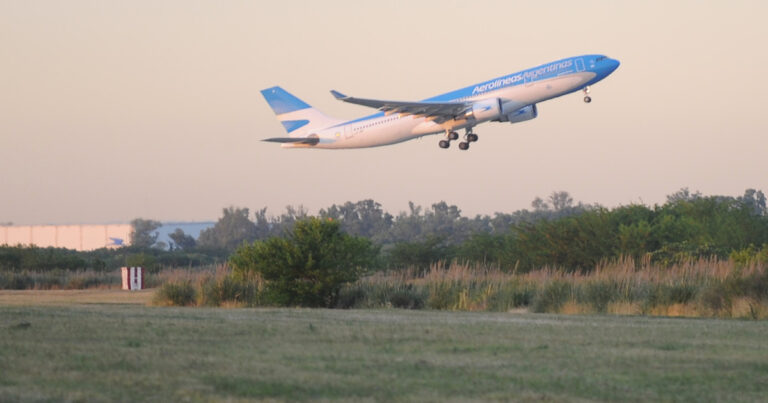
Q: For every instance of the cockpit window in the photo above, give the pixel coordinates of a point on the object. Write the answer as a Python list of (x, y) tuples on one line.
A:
[(601, 58)]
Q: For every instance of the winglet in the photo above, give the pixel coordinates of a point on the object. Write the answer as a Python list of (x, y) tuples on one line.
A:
[(338, 95)]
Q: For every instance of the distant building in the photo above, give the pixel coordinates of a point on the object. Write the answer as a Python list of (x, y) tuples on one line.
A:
[(77, 237), (89, 237)]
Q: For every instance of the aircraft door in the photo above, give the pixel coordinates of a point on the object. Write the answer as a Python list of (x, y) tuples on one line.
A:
[(579, 64)]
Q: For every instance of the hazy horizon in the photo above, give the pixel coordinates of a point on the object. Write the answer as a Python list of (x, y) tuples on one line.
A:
[(111, 111)]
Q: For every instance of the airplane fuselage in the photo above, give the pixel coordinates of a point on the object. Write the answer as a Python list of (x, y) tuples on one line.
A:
[(511, 98)]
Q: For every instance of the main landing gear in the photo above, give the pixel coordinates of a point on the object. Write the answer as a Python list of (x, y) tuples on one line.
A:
[(587, 98), (469, 137)]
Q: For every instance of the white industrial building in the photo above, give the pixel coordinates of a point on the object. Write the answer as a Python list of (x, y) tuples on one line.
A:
[(77, 237), (89, 237)]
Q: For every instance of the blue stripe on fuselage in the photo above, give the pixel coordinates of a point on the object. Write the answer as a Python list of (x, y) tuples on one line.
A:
[(542, 72), (526, 76)]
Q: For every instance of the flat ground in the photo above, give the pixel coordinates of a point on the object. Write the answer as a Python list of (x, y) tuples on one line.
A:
[(74, 297), (93, 351)]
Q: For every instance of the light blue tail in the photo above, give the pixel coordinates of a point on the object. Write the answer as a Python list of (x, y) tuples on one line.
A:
[(281, 101), (297, 116)]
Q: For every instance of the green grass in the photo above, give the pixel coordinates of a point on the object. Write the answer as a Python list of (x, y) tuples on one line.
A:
[(138, 353)]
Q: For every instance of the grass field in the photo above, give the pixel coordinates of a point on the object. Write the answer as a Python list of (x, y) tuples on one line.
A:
[(88, 350), (74, 297)]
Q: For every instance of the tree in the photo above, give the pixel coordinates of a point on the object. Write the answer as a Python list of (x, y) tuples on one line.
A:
[(232, 229), (418, 254), (182, 240), (539, 205), (142, 235), (683, 195), (754, 200), (308, 266), (561, 200), (264, 226), (364, 218)]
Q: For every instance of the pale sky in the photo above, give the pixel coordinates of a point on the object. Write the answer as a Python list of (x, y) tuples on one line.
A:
[(112, 110)]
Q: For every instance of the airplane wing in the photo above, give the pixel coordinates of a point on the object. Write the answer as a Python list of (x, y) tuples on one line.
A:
[(299, 140), (436, 111)]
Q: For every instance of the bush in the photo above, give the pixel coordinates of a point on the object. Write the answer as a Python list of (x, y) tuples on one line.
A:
[(512, 294), (551, 297), (176, 293), (756, 285), (227, 289), (716, 298), (407, 297), (16, 281), (352, 296), (443, 295), (598, 294), (308, 267)]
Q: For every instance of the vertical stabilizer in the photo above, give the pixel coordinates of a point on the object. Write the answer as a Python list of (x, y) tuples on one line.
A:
[(298, 117)]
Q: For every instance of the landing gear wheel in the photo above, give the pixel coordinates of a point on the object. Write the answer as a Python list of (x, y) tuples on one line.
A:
[(444, 143), (463, 145), (587, 99), (472, 137), (453, 136)]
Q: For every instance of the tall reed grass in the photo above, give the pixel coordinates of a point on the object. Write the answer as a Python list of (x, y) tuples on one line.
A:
[(704, 287), (212, 287)]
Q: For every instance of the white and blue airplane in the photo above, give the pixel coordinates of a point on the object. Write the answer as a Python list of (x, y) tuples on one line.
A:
[(510, 98)]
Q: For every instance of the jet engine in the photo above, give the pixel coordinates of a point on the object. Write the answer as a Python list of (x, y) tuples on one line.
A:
[(519, 115), (487, 109)]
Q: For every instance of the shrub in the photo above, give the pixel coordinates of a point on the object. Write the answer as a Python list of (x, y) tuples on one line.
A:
[(716, 298), (443, 295), (308, 267), (226, 289), (512, 294), (407, 297), (598, 294), (757, 284), (175, 293), (16, 281), (352, 296), (551, 297)]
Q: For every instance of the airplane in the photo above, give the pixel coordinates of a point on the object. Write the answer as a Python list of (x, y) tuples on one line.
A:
[(511, 99)]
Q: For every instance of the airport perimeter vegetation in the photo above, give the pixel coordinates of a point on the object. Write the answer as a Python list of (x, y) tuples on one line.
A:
[(693, 256)]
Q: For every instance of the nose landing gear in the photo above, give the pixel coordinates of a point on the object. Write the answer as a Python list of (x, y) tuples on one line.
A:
[(587, 98)]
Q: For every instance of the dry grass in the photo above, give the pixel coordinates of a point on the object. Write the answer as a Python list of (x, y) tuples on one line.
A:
[(698, 288), (73, 297)]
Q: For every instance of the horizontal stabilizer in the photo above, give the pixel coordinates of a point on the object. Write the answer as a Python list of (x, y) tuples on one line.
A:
[(337, 94), (296, 140)]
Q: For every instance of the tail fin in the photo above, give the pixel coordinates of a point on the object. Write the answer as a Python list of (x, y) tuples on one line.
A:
[(298, 118)]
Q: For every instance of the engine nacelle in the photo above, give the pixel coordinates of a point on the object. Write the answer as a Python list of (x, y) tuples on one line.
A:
[(519, 115), (487, 109)]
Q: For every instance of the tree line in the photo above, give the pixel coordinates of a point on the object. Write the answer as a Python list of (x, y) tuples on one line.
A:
[(555, 232)]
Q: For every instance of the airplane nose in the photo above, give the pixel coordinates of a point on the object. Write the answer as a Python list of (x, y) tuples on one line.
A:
[(612, 64)]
